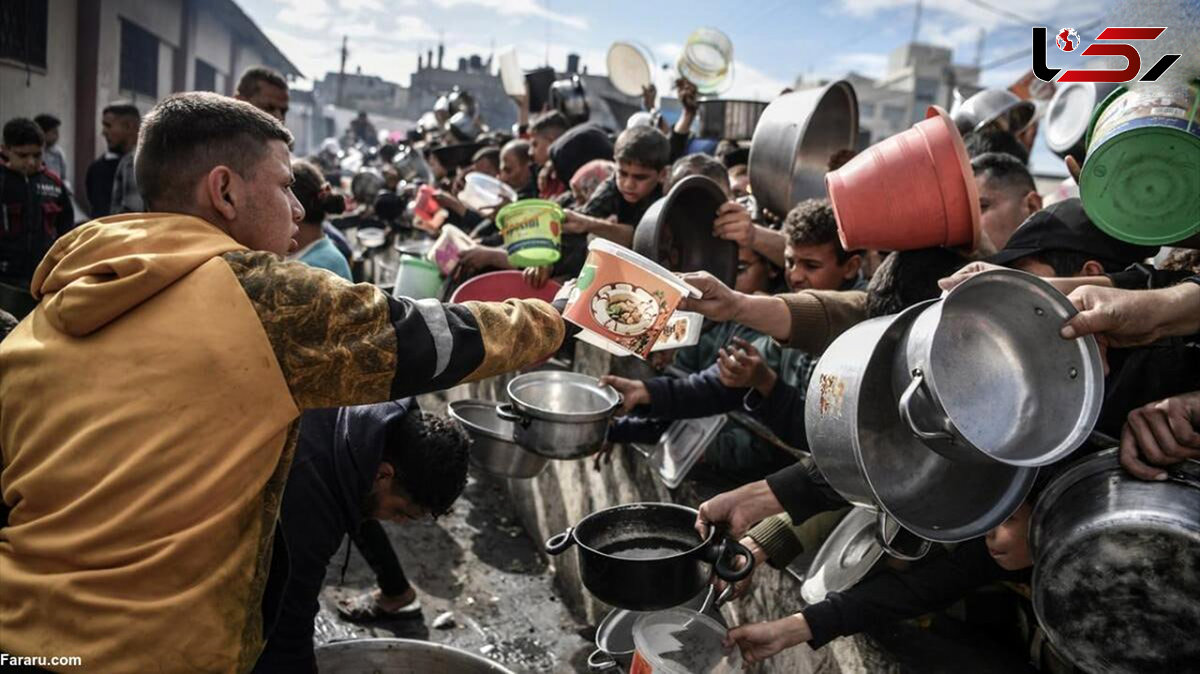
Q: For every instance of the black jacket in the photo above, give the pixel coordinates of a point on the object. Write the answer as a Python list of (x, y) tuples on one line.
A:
[(34, 211), (337, 456)]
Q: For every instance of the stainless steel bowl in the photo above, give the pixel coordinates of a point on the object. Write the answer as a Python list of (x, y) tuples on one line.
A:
[(370, 656), (492, 447), (1116, 575), (795, 137), (560, 415), (999, 107)]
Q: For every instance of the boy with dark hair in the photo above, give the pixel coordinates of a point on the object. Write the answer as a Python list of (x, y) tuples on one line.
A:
[(355, 467), (35, 208), (543, 131), (266, 90), (486, 160), (1007, 195), (121, 123), (52, 154), (119, 126), (995, 140)]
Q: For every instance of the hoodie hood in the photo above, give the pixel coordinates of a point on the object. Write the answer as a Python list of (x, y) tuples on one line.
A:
[(99, 271), (362, 432)]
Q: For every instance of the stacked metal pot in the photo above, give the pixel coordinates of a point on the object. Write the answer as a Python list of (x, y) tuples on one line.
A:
[(938, 417)]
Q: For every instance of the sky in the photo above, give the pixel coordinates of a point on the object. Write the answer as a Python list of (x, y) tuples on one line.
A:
[(774, 40)]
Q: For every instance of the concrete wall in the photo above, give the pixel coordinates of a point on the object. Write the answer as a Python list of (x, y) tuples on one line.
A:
[(51, 90), (212, 43)]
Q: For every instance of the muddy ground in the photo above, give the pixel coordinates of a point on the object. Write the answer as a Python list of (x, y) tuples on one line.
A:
[(479, 564)]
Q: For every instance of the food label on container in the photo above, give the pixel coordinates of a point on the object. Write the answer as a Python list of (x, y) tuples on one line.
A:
[(1165, 104)]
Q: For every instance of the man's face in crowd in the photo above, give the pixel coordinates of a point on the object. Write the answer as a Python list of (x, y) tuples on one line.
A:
[(1039, 268), (267, 212), (270, 99), (513, 171), (540, 144), (486, 167), (120, 132), (387, 502), (52, 137), (1003, 209), (740, 185), (24, 159), (1009, 542), (816, 267), (753, 272), (636, 181)]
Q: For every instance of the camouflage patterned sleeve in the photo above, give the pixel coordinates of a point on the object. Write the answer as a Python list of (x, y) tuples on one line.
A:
[(341, 344)]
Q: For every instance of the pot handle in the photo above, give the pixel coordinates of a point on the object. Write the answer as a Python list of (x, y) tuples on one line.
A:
[(506, 412), (880, 523), (600, 660), (905, 409), (734, 549), (558, 544)]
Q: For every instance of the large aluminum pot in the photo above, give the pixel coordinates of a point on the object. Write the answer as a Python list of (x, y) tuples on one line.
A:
[(983, 374), (369, 656), (559, 415), (795, 137), (1116, 576), (492, 447), (871, 458), (732, 120), (569, 97)]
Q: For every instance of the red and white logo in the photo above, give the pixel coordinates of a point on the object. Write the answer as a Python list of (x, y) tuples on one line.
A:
[(1067, 39)]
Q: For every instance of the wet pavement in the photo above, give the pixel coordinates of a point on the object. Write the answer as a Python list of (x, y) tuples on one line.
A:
[(477, 563)]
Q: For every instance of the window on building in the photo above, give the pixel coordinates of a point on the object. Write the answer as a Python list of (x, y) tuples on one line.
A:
[(866, 110), (895, 115), (23, 30), (206, 76), (139, 60)]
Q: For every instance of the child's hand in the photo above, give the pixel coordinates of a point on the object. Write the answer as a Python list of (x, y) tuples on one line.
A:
[(733, 223), (537, 276), (483, 257), (742, 366), (574, 223), (759, 641), (634, 392)]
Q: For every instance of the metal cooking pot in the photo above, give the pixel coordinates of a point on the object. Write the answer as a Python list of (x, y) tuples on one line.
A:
[(569, 97), (872, 459), (559, 415), (983, 374), (1116, 576), (614, 635), (999, 107), (462, 101), (368, 656), (492, 446), (677, 231), (732, 120), (411, 165), (1069, 115), (647, 556), (795, 137), (463, 126)]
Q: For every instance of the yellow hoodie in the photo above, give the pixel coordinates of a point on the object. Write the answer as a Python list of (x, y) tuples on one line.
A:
[(147, 416)]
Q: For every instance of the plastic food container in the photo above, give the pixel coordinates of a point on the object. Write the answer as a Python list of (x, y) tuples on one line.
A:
[(681, 641), (425, 206), (448, 248), (510, 73), (682, 330), (707, 60), (483, 191), (417, 278), (623, 298), (532, 231)]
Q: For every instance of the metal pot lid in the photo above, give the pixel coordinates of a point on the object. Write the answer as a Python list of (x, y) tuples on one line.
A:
[(563, 396), (847, 555), (1069, 115), (628, 68), (676, 231), (479, 417)]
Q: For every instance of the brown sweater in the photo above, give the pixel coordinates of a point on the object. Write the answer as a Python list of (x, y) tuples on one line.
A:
[(819, 316)]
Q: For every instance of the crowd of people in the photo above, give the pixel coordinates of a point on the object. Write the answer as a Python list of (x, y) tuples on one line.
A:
[(235, 404)]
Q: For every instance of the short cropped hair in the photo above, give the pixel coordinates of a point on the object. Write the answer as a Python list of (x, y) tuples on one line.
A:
[(248, 85), (429, 454), (48, 122), (698, 164), (520, 149), (187, 135), (995, 140), (1006, 170), (23, 131), (551, 121), (907, 277), (123, 109), (643, 145), (812, 223)]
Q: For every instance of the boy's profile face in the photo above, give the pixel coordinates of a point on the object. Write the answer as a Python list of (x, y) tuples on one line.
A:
[(636, 181), (816, 267), (24, 159), (753, 272), (1009, 542)]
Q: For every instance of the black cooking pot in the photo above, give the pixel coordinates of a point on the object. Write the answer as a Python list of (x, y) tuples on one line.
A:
[(677, 231), (648, 557)]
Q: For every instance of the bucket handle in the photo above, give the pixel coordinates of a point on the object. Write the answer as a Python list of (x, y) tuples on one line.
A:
[(507, 412), (601, 660), (558, 543), (905, 409), (880, 524)]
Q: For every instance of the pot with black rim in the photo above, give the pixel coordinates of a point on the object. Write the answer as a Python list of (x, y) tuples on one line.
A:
[(677, 231), (648, 556), (559, 415)]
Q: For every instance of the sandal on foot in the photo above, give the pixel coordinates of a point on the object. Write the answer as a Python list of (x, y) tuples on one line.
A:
[(365, 608)]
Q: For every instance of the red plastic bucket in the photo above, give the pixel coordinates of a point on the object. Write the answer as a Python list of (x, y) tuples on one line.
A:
[(913, 190), (498, 286)]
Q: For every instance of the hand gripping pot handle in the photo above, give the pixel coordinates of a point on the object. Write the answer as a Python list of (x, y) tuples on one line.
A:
[(558, 544), (880, 528), (506, 412), (905, 409), (727, 551)]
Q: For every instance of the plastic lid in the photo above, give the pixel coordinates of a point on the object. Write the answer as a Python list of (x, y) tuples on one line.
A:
[(1069, 115), (682, 641), (606, 246), (1141, 185)]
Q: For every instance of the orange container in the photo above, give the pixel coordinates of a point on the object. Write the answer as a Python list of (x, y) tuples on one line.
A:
[(623, 298), (913, 190)]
